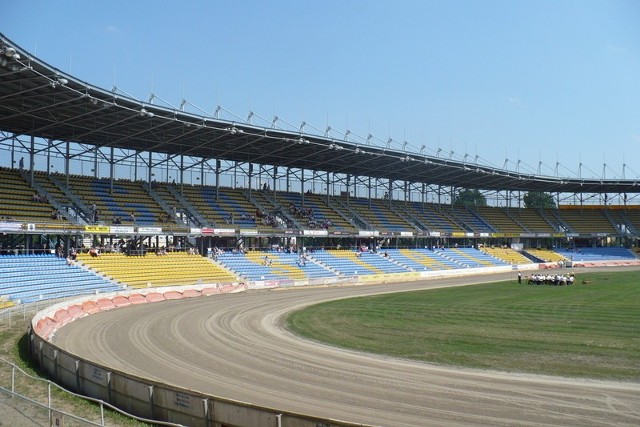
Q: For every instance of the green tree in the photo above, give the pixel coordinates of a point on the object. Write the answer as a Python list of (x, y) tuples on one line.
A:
[(469, 197), (539, 200)]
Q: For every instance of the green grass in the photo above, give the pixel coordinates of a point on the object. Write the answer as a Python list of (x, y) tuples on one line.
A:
[(575, 331)]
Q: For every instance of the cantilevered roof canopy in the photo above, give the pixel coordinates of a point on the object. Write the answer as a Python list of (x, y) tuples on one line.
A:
[(41, 101)]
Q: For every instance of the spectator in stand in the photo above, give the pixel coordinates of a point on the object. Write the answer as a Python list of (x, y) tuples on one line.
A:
[(132, 217)]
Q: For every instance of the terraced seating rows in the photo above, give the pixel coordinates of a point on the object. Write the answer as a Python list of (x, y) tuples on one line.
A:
[(586, 220), (273, 266), (468, 218), (18, 199), (352, 263), (508, 255), (430, 215), (546, 255), (175, 268), (377, 213), (421, 259), (499, 219), (120, 199), (29, 278), (321, 212), (597, 254), (532, 220)]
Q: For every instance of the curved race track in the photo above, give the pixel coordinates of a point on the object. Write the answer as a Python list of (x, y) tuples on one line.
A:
[(232, 346)]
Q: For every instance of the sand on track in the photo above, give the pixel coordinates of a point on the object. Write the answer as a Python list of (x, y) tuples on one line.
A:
[(233, 346)]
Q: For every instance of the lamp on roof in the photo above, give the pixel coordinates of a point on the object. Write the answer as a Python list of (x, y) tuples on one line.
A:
[(145, 113)]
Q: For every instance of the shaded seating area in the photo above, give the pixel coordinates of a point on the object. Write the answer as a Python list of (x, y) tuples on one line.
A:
[(30, 278), (22, 203)]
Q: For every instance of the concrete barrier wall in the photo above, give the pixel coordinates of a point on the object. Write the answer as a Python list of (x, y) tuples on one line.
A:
[(152, 400), (131, 395)]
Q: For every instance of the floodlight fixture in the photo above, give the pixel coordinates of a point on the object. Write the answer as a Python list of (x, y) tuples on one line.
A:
[(152, 96), (249, 116), (233, 130), (274, 121), (369, 139), (10, 52), (182, 102), (326, 131), (302, 125), (145, 113)]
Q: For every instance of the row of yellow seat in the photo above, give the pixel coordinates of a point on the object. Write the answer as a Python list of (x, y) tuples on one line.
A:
[(157, 270)]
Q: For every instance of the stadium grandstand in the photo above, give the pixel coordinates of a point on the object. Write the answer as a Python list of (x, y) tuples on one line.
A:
[(131, 184)]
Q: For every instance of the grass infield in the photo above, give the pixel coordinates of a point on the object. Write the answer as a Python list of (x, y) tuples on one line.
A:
[(573, 331)]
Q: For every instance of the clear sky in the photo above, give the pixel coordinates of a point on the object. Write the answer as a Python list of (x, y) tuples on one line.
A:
[(551, 81)]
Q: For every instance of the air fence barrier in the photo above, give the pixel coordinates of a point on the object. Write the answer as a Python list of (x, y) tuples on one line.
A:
[(154, 400)]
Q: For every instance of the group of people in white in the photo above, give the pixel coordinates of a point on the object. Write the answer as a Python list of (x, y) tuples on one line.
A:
[(551, 279)]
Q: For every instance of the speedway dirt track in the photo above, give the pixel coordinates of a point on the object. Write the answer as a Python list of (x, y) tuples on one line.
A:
[(233, 346)]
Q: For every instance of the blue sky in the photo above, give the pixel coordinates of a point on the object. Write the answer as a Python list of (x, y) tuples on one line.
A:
[(550, 81)]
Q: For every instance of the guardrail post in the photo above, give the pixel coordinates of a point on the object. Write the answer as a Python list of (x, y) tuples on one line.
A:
[(205, 411), (13, 380), (151, 402), (49, 402), (109, 398), (77, 366), (55, 364)]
